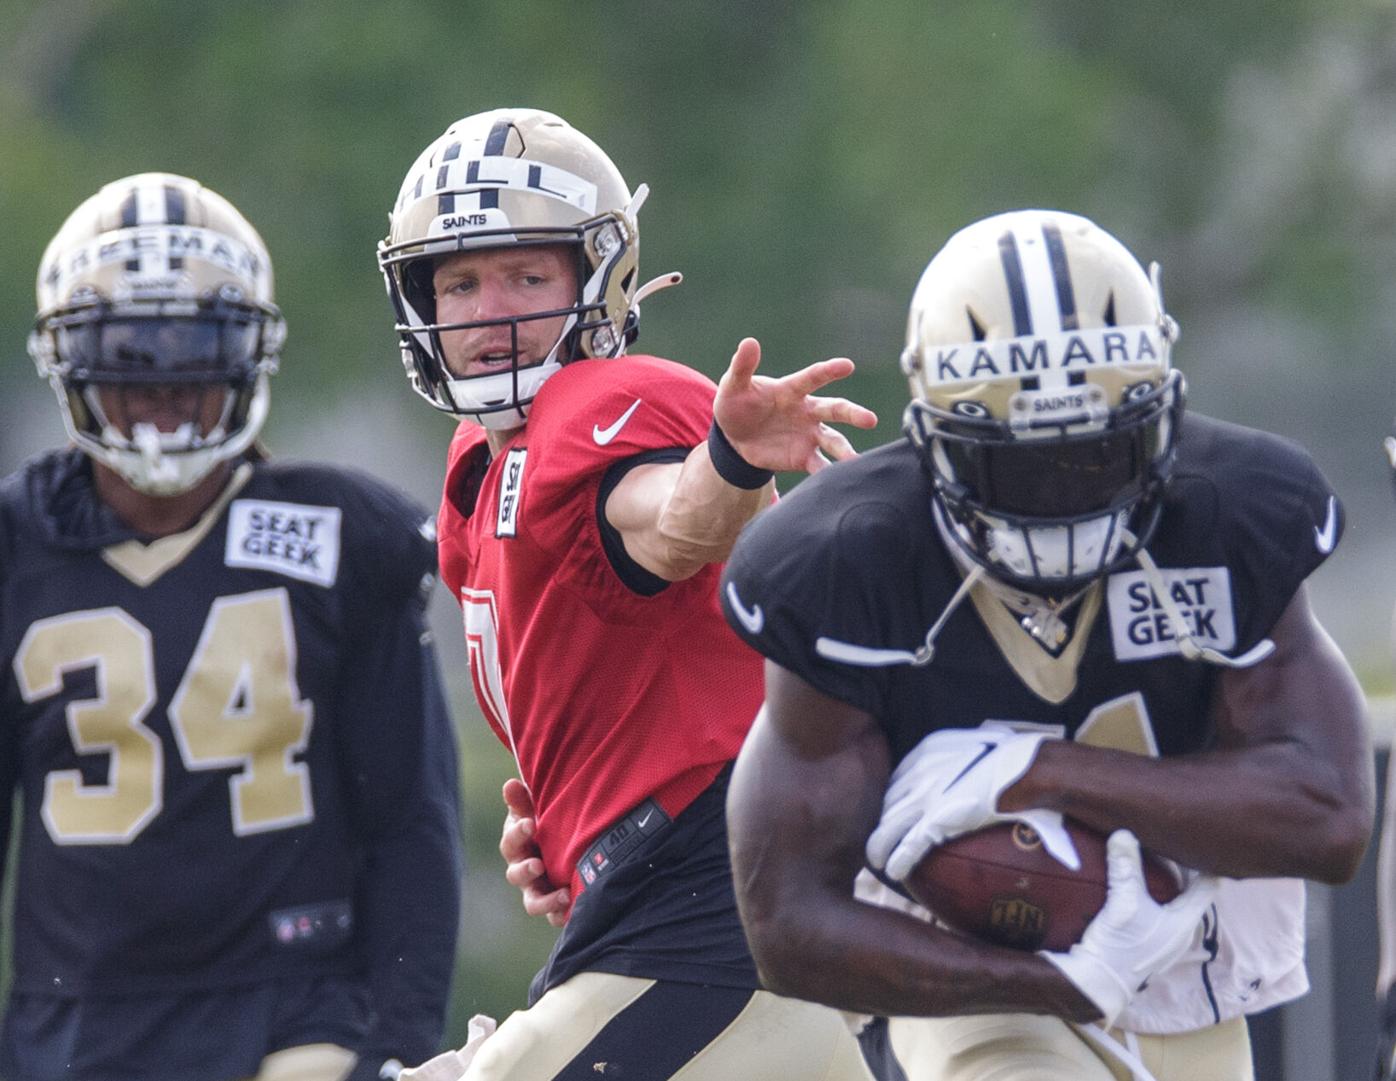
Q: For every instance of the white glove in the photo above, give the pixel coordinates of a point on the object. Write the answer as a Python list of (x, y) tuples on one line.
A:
[(451, 1065), (1133, 936), (950, 784)]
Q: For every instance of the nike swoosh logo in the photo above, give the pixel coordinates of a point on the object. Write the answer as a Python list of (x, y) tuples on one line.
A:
[(645, 820), (753, 619), (605, 435), (1327, 537), (989, 749)]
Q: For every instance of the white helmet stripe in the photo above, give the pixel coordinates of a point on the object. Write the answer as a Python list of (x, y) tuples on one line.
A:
[(150, 204), (1041, 283), (487, 176)]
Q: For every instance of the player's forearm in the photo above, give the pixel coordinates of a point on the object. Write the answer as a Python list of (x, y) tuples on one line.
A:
[(704, 513), (1271, 810), (399, 761), (806, 790), (871, 960)]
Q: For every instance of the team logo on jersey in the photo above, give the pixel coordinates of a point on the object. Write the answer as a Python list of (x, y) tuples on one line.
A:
[(1139, 624), (510, 492), (294, 539)]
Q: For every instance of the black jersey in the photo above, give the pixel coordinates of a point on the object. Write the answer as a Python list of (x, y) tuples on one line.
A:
[(231, 743), (840, 582)]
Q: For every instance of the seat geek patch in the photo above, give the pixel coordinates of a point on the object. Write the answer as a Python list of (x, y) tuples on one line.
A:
[(1140, 627), (294, 539)]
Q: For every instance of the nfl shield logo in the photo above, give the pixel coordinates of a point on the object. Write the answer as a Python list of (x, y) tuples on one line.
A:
[(1017, 923)]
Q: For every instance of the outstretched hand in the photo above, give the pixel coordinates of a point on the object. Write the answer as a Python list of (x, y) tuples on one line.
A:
[(778, 423), (523, 861)]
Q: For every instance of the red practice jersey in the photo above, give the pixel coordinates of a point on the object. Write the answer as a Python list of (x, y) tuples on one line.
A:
[(605, 696)]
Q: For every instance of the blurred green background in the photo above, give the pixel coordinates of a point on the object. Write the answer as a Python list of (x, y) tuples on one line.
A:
[(805, 159)]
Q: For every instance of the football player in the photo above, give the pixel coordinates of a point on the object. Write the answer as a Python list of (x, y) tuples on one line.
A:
[(220, 707), (1061, 594), (590, 495)]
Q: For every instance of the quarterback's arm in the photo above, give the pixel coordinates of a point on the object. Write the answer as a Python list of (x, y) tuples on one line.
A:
[(806, 791), (399, 758), (674, 518), (1287, 791)]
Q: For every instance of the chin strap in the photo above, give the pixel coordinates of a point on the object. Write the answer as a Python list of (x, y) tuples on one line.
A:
[(1038, 616), (1042, 622), (1187, 644), (868, 657)]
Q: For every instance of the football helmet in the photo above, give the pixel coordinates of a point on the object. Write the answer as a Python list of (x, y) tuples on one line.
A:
[(503, 178), (156, 281), (1044, 405)]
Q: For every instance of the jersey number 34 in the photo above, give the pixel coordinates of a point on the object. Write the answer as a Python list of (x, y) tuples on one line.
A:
[(237, 707)]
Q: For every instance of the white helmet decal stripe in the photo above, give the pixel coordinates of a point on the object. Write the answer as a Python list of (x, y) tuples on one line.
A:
[(150, 204), (157, 248), (1046, 355), (487, 175)]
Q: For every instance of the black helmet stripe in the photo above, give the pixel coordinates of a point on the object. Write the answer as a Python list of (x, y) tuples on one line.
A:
[(131, 217), (151, 206), (1017, 288), (175, 214), (495, 143), (446, 201), (1061, 275), (498, 137)]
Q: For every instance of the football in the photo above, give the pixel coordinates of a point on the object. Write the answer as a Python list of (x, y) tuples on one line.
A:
[(1000, 884)]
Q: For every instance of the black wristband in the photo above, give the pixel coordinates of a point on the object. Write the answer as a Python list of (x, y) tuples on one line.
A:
[(730, 465)]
